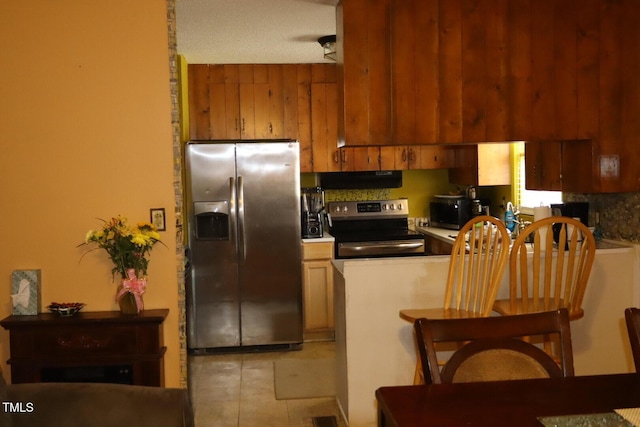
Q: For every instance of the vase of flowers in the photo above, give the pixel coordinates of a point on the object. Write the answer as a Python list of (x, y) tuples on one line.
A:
[(129, 249)]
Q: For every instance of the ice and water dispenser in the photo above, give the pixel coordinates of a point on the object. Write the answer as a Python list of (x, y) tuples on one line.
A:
[(212, 220)]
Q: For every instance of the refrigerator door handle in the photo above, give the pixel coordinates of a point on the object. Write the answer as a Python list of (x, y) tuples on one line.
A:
[(241, 234), (233, 212)]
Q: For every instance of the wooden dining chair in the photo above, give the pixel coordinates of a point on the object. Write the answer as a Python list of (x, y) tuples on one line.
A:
[(544, 278), (632, 317), (493, 348), (477, 264)]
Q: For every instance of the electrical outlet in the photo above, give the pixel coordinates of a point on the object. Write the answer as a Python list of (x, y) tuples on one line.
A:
[(610, 166)]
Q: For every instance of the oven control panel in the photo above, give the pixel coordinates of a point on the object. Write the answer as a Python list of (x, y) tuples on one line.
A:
[(369, 209)]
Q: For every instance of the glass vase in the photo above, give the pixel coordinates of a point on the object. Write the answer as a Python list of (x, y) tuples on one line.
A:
[(128, 304)]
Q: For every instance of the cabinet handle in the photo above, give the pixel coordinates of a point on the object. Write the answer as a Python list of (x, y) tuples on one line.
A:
[(243, 125), (237, 122), (412, 156), (404, 155), (271, 128), (335, 157), (343, 155)]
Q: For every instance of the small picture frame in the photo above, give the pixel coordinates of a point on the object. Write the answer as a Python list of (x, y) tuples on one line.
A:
[(158, 218)]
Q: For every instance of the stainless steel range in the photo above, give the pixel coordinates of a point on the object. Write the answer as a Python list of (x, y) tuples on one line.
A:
[(376, 228)]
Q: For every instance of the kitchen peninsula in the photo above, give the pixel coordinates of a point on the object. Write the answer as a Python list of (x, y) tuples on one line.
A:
[(375, 348)]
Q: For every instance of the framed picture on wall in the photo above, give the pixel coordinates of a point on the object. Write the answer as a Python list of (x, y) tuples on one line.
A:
[(158, 219)]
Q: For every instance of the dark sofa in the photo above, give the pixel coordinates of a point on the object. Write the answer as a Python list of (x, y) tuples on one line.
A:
[(93, 405)]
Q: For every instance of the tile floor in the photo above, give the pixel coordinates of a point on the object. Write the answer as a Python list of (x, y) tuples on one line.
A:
[(237, 390)]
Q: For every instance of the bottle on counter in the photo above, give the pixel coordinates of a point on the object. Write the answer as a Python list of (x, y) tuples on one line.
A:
[(510, 218), (597, 231)]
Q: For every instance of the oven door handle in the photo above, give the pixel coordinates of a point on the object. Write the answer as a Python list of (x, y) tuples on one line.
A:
[(383, 245), (374, 248)]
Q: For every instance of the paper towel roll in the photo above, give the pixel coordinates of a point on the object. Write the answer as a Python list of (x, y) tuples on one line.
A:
[(541, 212)]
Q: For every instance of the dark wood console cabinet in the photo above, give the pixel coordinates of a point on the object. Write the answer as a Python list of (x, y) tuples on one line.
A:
[(105, 346)]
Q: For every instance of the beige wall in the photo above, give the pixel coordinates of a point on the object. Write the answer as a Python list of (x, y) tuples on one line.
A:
[(85, 134)]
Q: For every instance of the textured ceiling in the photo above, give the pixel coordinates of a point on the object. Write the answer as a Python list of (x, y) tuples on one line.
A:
[(253, 31)]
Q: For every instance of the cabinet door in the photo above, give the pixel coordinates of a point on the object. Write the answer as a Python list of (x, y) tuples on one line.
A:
[(429, 157), (290, 85), (303, 102), (465, 165), (405, 157), (243, 101), (326, 157), (394, 157), (364, 72), (318, 295), (481, 164), (543, 165), (519, 89), (199, 106), (450, 71), (403, 71), (463, 71), (360, 159), (317, 279), (268, 96), (247, 101), (214, 102), (494, 164), (224, 102), (415, 71)]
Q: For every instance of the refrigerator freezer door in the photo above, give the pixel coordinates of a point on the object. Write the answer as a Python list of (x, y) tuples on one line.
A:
[(270, 249), (213, 307)]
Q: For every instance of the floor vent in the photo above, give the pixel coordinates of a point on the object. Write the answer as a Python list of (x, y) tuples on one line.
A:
[(325, 421)]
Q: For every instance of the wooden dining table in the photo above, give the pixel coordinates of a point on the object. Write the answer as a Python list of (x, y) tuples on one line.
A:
[(505, 403)]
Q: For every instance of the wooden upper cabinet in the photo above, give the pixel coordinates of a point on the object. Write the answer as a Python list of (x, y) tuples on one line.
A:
[(274, 101), (590, 54), (297, 110), (364, 69), (394, 157), (541, 172), (481, 164), (405, 157), (415, 71), (324, 118), (463, 71), (199, 105), (449, 71), (360, 159), (231, 101)]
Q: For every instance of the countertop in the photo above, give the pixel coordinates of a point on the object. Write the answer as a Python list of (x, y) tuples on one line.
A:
[(444, 234), (326, 237), (450, 235)]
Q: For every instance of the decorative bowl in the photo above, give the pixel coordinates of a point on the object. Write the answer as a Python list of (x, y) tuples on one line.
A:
[(65, 308)]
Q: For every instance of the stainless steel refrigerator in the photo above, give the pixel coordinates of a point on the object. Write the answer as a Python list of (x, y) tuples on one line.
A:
[(244, 281)]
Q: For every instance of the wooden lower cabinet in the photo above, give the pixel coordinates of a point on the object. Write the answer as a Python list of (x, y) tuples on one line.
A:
[(99, 346), (437, 246), (317, 283)]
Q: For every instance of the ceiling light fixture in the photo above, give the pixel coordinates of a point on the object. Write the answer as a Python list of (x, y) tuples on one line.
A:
[(328, 43)]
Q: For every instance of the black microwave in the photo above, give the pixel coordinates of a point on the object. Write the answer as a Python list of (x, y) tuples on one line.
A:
[(450, 212)]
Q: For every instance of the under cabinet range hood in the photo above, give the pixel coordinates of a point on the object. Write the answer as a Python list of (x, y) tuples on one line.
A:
[(360, 180)]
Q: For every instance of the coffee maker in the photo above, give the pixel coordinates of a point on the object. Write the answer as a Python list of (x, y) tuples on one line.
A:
[(312, 208), (474, 203)]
